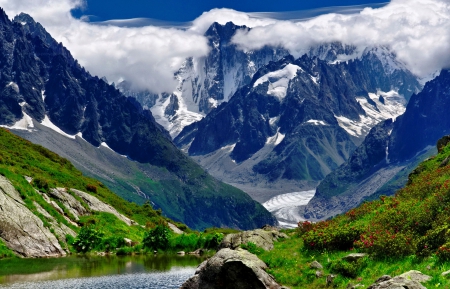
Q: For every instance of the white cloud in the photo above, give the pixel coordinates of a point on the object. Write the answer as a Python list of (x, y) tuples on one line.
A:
[(417, 30), (146, 56)]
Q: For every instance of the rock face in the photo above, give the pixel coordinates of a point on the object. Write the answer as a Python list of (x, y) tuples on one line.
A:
[(231, 269), (69, 202), (261, 238), (21, 230), (99, 206)]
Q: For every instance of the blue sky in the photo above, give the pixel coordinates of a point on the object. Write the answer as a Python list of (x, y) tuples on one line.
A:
[(188, 10)]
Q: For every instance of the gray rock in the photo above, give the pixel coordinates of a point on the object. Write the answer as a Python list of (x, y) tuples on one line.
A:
[(354, 257), (175, 229), (330, 279), (261, 238), (319, 274), (315, 265), (21, 230), (181, 253), (396, 283), (416, 276), (232, 269), (445, 274), (69, 202), (99, 206)]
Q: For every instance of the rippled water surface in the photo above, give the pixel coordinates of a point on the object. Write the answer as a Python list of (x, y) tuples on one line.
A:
[(98, 272)]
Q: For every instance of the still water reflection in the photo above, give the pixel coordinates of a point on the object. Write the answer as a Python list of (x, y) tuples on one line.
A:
[(98, 272)]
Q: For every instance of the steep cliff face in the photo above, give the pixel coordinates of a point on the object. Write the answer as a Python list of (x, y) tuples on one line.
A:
[(43, 83), (297, 120), (386, 163)]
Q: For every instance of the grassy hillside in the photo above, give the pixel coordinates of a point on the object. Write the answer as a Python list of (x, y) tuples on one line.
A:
[(408, 231)]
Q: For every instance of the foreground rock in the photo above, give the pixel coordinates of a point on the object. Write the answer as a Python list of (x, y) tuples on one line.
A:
[(232, 269), (21, 230), (410, 280), (261, 238)]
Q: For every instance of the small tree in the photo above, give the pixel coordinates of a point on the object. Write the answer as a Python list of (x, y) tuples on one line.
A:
[(157, 238), (87, 239)]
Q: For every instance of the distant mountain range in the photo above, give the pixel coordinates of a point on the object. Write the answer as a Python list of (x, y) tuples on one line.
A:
[(46, 92), (269, 123)]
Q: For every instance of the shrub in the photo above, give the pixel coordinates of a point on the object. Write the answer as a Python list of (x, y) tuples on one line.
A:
[(88, 239), (41, 184), (213, 241), (348, 269), (112, 243), (157, 238), (91, 188)]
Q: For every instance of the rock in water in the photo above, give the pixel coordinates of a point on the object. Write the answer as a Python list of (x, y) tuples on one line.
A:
[(232, 269), (21, 230)]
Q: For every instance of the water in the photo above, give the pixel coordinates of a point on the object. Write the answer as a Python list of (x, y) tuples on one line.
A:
[(98, 272), (286, 207)]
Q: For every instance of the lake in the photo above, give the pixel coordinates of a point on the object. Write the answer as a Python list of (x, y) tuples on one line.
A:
[(161, 271)]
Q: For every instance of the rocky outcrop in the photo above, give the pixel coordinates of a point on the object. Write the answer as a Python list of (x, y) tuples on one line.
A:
[(69, 202), (99, 206), (237, 269), (261, 238), (21, 230)]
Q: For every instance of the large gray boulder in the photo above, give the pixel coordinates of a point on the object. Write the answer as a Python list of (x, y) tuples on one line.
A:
[(398, 282), (232, 269), (261, 238), (21, 230)]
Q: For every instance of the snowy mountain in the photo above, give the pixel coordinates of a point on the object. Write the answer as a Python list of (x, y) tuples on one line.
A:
[(391, 151), (206, 82), (47, 97), (298, 120)]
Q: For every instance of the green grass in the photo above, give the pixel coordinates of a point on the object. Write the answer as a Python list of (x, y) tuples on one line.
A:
[(289, 263)]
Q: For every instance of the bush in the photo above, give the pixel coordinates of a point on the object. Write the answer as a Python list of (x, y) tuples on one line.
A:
[(41, 184), (112, 243), (157, 238), (88, 239), (348, 269), (91, 188)]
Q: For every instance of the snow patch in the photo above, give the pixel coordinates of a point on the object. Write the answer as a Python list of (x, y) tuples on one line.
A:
[(316, 122), (276, 139), (47, 122), (43, 95), (394, 105), (279, 80), (103, 144), (14, 86), (24, 124), (286, 207)]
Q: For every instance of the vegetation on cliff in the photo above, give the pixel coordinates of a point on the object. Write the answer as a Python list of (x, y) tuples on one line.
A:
[(408, 231)]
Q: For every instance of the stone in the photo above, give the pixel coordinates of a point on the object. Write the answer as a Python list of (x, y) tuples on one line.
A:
[(197, 252), (396, 283), (128, 242), (416, 276), (315, 265), (232, 269), (319, 274), (96, 205), (261, 238), (445, 274), (181, 253), (354, 257), (175, 229), (21, 230), (330, 279)]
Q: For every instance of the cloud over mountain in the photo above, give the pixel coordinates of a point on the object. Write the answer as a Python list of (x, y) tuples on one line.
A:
[(418, 31)]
